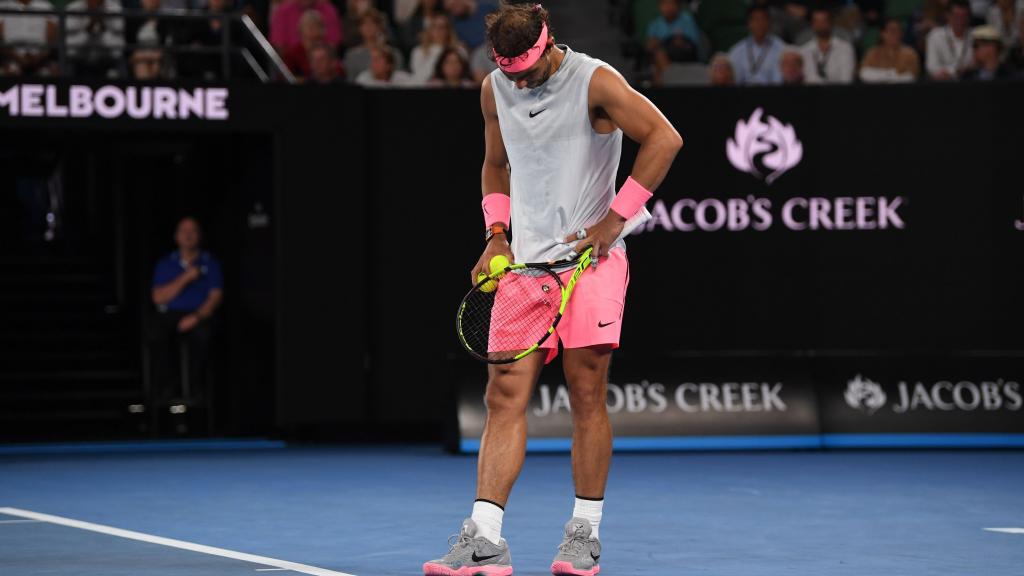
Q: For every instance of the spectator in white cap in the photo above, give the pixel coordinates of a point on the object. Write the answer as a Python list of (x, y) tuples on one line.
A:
[(988, 47)]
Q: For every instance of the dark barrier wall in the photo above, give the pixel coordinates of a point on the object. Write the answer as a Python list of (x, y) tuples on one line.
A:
[(299, 330), (816, 234), (892, 230), (814, 238)]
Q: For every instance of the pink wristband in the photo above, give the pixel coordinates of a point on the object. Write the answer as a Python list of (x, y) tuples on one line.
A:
[(630, 199), (497, 207)]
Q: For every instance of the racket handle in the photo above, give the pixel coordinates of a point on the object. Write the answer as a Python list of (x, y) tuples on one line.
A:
[(635, 222)]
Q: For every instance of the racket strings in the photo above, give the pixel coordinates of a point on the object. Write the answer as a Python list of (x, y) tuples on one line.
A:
[(501, 324)]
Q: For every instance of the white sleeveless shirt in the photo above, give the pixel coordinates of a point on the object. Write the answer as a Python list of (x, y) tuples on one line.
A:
[(563, 172)]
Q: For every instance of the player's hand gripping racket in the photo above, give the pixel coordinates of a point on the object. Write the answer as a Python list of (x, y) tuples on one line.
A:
[(512, 311)]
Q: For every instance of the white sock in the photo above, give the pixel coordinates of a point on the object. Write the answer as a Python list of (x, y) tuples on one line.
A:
[(589, 510), (487, 517)]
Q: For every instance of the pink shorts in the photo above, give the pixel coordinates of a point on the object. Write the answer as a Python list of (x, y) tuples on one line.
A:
[(592, 317)]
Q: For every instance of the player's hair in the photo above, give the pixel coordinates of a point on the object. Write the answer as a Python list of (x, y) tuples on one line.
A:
[(514, 28)]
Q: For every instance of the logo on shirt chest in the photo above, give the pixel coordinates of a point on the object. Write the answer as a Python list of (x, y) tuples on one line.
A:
[(537, 113)]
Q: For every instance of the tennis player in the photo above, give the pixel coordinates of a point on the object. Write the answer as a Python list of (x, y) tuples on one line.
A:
[(553, 125)]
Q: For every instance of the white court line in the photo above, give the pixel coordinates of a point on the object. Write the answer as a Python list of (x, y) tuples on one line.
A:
[(18, 521), (1006, 530), (201, 548)]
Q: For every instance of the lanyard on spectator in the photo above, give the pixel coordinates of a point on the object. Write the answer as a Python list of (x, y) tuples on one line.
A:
[(821, 62), (755, 65), (952, 47)]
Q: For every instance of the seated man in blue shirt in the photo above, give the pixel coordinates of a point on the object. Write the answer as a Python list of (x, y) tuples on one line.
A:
[(187, 289), (672, 37), (755, 59), (468, 19)]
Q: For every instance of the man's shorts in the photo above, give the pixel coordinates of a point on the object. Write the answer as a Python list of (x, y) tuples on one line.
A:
[(592, 317)]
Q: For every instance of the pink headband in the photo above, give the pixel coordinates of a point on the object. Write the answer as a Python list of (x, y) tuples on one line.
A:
[(526, 59)]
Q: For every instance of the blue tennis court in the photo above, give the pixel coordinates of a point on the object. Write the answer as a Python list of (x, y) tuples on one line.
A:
[(376, 511)]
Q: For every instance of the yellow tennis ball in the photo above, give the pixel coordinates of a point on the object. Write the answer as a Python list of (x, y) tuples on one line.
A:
[(489, 286), (498, 263)]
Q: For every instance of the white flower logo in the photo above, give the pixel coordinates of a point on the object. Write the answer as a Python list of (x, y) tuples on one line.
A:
[(771, 140), (864, 394)]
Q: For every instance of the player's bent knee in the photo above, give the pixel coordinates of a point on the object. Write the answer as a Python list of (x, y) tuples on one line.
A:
[(504, 396)]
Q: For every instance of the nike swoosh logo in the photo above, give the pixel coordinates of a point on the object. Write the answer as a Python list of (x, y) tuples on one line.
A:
[(603, 324), (482, 558), (532, 114)]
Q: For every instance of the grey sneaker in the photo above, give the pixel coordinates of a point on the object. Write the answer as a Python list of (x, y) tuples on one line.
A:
[(472, 555), (579, 553)]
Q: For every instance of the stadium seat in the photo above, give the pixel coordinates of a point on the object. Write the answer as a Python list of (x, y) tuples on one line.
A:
[(677, 74)]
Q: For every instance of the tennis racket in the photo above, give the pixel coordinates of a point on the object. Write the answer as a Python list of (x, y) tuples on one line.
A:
[(510, 313)]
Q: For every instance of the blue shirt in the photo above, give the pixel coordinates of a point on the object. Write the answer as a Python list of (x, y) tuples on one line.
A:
[(197, 291), (471, 28), (685, 25), (755, 63)]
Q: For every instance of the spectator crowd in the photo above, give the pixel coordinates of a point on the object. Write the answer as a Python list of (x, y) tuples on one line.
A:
[(412, 43), (830, 42), (102, 41), (409, 43)]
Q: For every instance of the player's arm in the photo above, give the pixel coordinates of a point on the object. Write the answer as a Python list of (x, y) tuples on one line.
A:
[(614, 99), (494, 176), (639, 119)]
